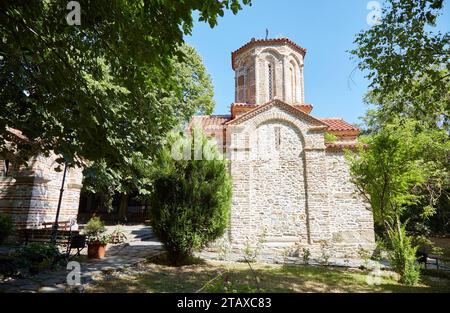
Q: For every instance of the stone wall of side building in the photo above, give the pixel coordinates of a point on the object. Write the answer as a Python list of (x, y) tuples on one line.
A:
[(30, 195), (351, 220)]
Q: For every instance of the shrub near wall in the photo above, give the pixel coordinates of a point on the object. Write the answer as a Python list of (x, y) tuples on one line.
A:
[(191, 199)]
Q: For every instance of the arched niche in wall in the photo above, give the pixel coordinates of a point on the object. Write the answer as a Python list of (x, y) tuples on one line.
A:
[(295, 77), (242, 80), (272, 76)]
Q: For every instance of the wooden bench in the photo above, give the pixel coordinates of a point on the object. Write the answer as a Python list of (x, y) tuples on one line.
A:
[(66, 237), (62, 226), (45, 233), (438, 259)]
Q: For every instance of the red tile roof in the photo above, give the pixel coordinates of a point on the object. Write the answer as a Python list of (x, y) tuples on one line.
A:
[(306, 108), (338, 124), (273, 102), (209, 123), (256, 42), (216, 124), (245, 105)]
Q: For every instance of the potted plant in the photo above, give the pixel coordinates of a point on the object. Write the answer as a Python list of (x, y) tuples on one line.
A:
[(118, 236), (96, 238)]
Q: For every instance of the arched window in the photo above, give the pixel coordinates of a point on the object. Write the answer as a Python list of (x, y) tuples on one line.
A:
[(245, 89), (294, 83), (270, 77), (241, 85)]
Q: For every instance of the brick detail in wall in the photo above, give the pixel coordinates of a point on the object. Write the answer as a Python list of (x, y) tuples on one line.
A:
[(31, 194)]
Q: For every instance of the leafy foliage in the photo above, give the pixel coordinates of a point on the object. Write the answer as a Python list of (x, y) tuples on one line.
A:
[(400, 161), (253, 247), (435, 193), (93, 92), (37, 256), (94, 226), (6, 226), (402, 256), (190, 198), (306, 255), (95, 231), (330, 137), (193, 95), (407, 63), (36, 252)]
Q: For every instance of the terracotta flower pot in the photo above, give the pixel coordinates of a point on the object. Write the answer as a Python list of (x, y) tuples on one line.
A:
[(96, 250)]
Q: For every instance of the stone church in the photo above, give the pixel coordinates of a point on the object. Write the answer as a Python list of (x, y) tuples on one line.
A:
[(291, 187)]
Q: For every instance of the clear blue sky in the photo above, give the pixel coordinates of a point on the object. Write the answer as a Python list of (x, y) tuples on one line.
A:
[(326, 28)]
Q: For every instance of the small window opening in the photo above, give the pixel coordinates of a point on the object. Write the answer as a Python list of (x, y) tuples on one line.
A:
[(277, 138)]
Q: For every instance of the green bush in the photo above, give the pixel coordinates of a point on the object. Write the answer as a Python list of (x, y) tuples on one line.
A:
[(330, 138), (94, 227), (402, 256), (94, 231), (37, 256), (30, 259), (6, 227), (191, 199), (8, 266)]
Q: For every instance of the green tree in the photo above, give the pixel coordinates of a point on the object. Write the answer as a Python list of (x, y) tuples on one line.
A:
[(195, 92), (407, 63), (194, 95), (435, 192), (391, 172), (93, 92), (190, 198)]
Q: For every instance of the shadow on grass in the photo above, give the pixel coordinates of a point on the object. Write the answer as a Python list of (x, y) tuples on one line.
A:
[(237, 277)]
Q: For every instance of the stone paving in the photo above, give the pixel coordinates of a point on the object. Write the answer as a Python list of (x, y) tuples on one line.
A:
[(140, 244)]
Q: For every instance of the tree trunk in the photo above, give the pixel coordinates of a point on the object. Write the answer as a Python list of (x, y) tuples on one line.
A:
[(123, 208)]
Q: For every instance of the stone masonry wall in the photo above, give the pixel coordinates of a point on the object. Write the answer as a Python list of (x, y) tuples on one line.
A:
[(31, 194), (290, 193), (351, 220), (277, 189), (253, 65)]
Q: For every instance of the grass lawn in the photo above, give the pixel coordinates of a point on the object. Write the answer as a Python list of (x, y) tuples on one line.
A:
[(237, 277)]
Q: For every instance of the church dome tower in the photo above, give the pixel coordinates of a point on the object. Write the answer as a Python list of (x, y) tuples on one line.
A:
[(268, 69)]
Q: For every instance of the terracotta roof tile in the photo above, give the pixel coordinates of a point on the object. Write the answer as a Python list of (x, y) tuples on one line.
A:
[(250, 105), (270, 104), (306, 108), (209, 123), (338, 124), (213, 123)]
